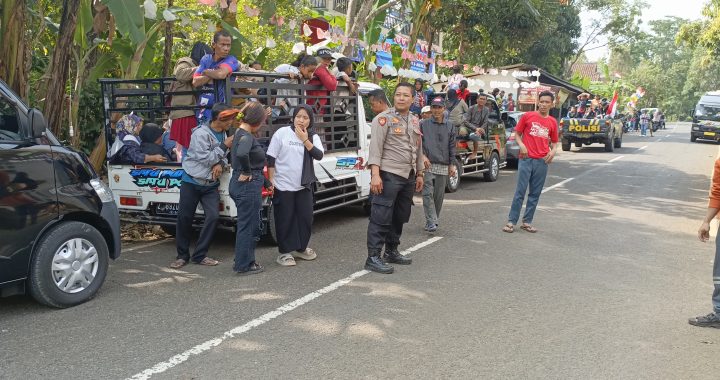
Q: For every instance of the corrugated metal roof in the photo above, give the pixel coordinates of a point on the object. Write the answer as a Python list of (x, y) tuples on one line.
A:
[(586, 70)]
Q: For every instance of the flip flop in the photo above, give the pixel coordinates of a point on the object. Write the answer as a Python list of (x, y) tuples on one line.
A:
[(529, 228), (509, 228), (177, 264)]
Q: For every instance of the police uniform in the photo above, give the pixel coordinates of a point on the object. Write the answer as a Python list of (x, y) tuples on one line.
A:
[(396, 148)]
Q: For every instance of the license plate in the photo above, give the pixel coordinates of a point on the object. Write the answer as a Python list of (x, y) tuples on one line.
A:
[(584, 135), (709, 133), (167, 209)]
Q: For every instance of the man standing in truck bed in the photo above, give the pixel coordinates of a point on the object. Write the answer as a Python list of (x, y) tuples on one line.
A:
[(217, 66), (396, 163)]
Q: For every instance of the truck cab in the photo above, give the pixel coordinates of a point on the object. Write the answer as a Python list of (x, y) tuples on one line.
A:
[(59, 225), (706, 118)]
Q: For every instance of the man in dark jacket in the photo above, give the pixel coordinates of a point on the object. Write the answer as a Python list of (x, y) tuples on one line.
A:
[(438, 137)]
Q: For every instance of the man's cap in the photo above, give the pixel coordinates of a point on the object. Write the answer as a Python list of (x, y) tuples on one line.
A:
[(228, 114), (425, 109), (438, 102), (324, 53)]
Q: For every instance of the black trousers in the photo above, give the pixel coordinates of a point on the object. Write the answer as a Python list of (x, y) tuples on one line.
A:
[(390, 211), (190, 196), (293, 219)]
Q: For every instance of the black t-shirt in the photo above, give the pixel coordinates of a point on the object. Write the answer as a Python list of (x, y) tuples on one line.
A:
[(247, 153)]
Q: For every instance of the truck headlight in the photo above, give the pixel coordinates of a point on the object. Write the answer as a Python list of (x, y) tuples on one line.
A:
[(103, 192)]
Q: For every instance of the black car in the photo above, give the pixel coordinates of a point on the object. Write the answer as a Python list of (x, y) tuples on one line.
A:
[(59, 226)]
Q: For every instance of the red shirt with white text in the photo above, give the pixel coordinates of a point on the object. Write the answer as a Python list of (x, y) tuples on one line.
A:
[(537, 133)]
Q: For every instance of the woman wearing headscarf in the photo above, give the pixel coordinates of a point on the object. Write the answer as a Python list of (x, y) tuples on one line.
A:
[(291, 156), (182, 121), (248, 161), (128, 132)]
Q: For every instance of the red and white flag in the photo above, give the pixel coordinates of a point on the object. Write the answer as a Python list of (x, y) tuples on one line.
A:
[(612, 108)]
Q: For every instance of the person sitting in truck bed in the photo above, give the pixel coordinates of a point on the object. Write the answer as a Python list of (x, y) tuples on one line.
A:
[(151, 136), (302, 68), (474, 125), (128, 131)]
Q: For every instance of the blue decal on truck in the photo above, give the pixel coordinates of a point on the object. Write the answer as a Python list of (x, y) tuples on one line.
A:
[(157, 178), (349, 163)]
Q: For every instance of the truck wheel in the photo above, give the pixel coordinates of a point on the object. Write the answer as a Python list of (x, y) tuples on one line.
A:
[(453, 183), (492, 174), (618, 142), (170, 230), (270, 231), (609, 147), (367, 207), (693, 138), (69, 265), (565, 145)]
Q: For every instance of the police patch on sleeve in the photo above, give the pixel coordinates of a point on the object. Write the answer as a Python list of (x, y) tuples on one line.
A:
[(382, 121)]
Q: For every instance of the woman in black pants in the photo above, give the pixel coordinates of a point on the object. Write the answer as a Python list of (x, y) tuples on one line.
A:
[(291, 156), (248, 161)]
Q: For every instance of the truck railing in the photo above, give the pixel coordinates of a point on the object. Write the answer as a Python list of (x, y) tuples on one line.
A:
[(337, 127)]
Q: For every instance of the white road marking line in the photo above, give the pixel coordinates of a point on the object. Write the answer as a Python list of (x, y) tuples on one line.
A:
[(206, 346), (645, 147), (667, 135), (141, 246), (556, 185), (616, 159)]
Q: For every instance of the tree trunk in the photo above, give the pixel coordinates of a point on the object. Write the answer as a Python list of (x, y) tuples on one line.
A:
[(167, 56), (59, 66), (13, 60)]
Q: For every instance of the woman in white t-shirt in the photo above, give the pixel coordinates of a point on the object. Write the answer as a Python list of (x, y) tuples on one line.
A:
[(291, 156)]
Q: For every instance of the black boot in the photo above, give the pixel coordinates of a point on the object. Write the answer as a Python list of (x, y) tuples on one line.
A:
[(393, 256), (374, 263)]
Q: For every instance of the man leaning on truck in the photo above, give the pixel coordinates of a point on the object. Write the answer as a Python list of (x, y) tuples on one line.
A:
[(206, 158)]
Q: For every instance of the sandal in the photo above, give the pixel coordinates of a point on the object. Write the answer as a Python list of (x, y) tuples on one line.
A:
[(208, 262), (177, 264), (307, 254), (286, 260), (254, 268), (509, 228), (529, 228)]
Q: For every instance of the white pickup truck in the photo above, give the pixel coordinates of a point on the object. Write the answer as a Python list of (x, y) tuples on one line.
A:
[(149, 193)]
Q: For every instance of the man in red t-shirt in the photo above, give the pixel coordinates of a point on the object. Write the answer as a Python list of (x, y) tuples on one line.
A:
[(463, 92), (537, 135)]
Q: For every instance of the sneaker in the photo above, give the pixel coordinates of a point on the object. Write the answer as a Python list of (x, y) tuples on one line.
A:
[(254, 268), (431, 227), (307, 254), (286, 260), (710, 320)]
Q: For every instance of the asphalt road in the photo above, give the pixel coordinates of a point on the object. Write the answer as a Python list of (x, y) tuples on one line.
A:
[(603, 291)]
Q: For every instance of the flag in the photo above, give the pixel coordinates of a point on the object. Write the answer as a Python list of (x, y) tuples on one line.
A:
[(612, 108)]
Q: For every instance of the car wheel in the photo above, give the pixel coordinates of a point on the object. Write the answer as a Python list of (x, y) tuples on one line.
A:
[(565, 145), (618, 142), (453, 182), (69, 265), (492, 174), (270, 232), (693, 138), (609, 147)]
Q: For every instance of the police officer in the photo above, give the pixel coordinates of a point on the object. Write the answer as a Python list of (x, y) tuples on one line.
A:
[(396, 163)]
